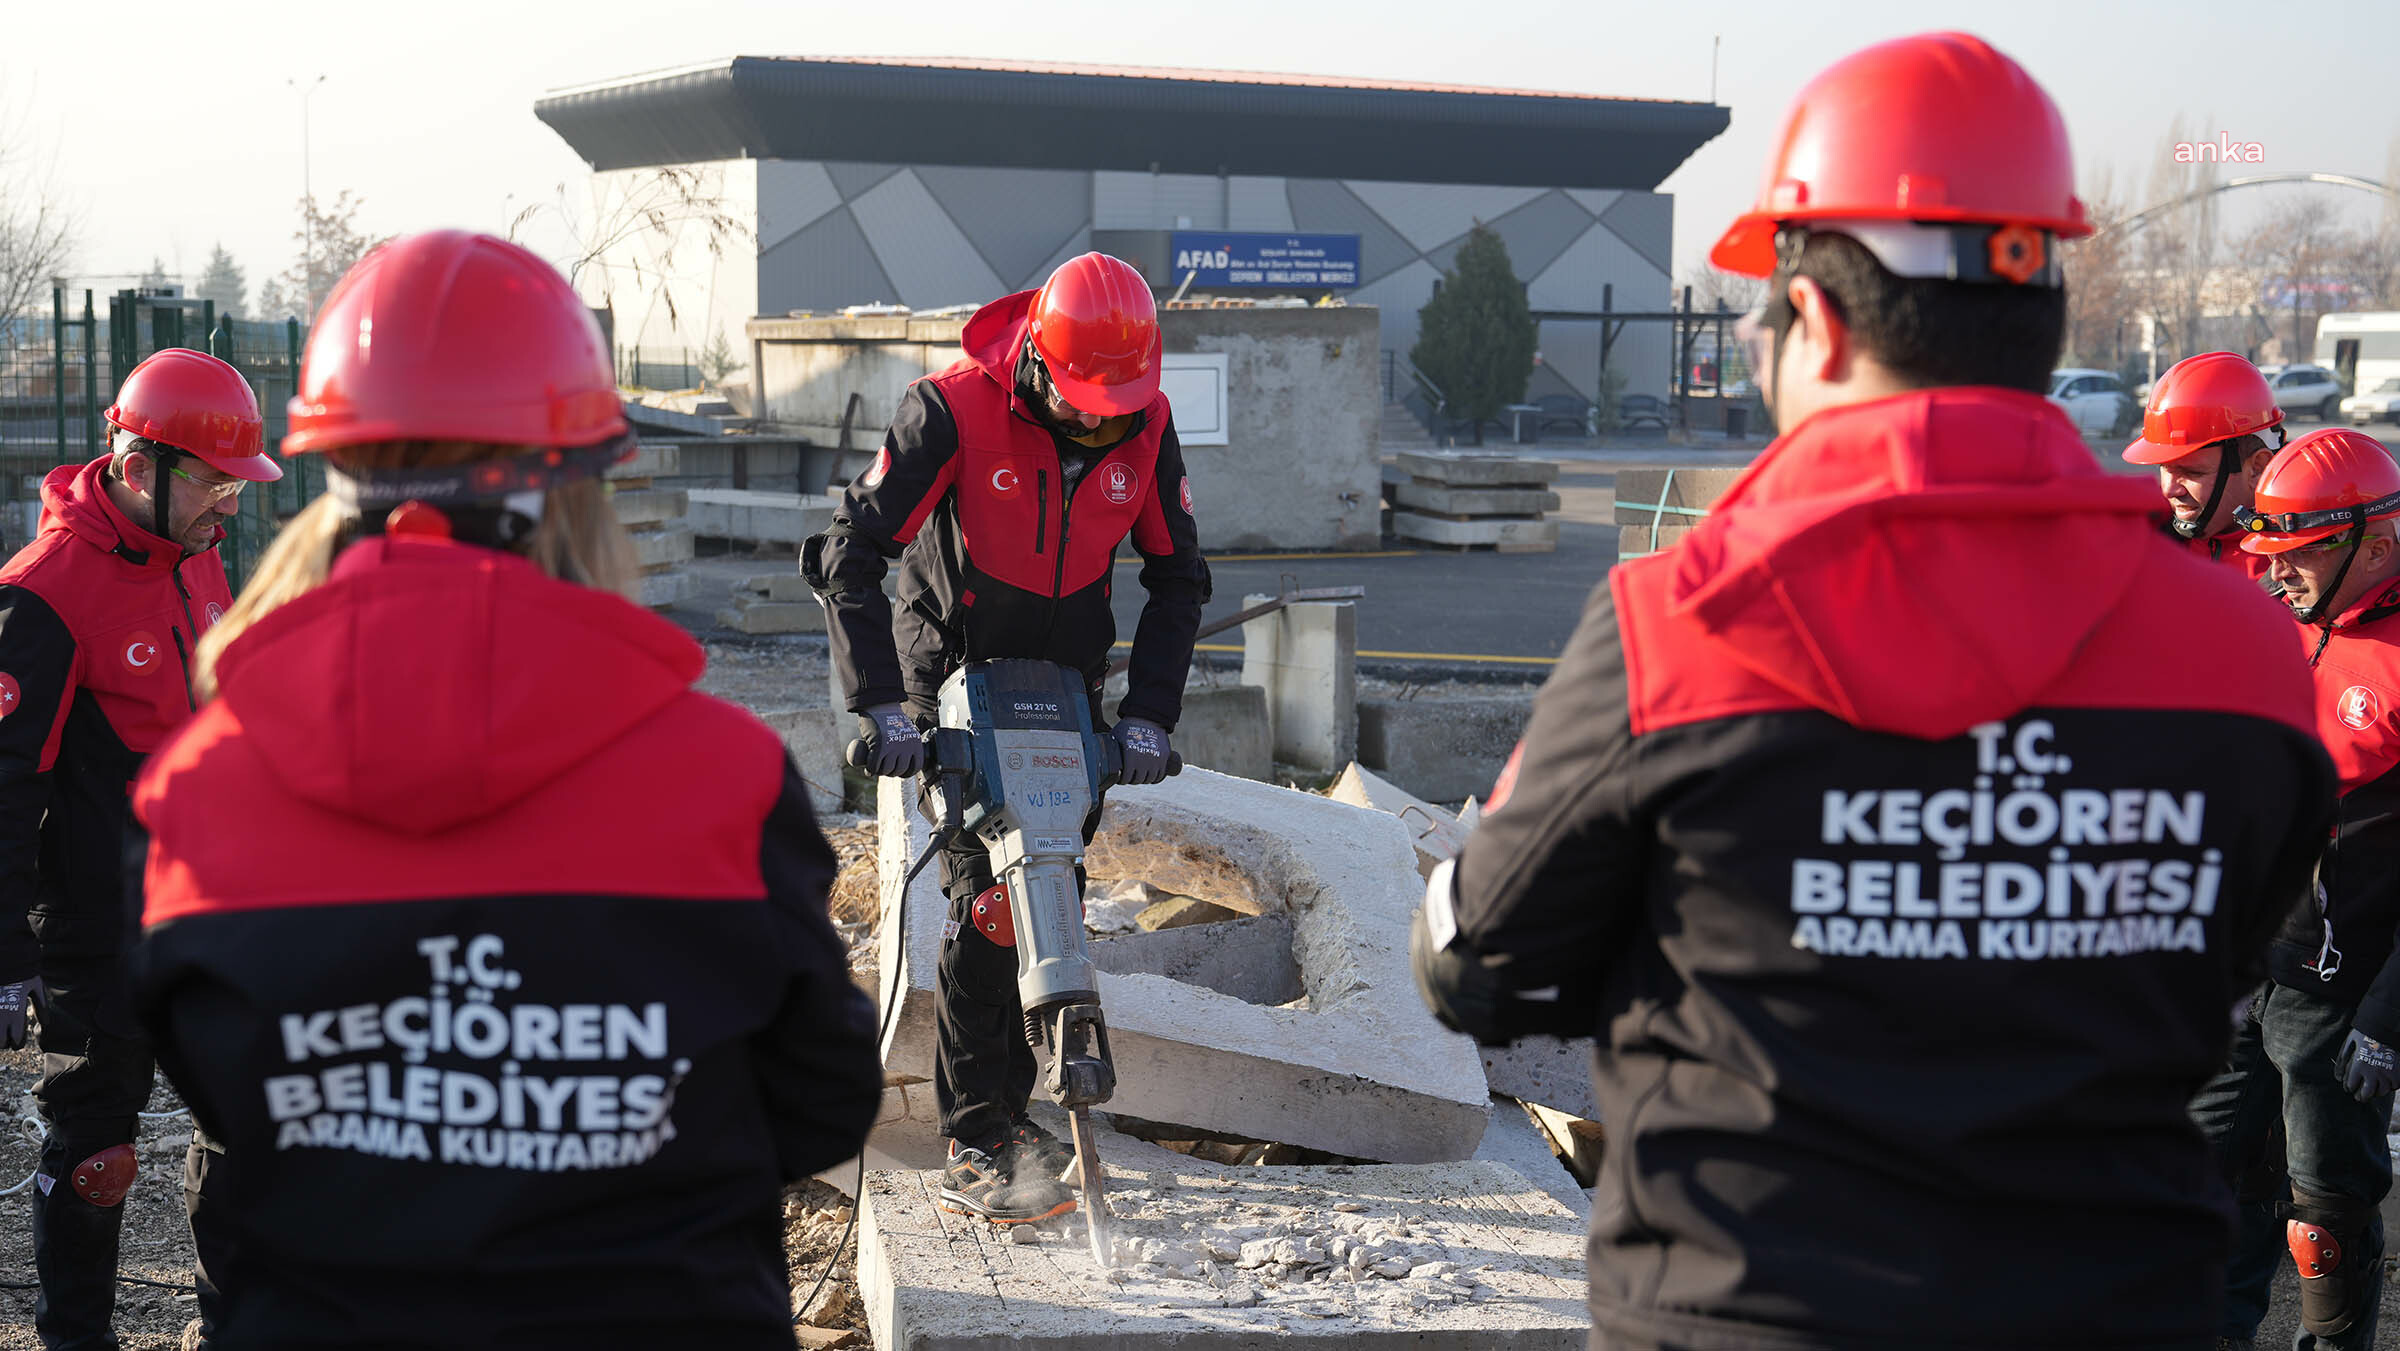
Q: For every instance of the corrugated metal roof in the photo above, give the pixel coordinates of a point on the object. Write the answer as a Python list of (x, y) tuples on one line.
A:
[(1035, 115)]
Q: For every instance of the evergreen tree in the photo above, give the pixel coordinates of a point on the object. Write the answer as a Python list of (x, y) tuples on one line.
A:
[(1475, 338), (224, 283)]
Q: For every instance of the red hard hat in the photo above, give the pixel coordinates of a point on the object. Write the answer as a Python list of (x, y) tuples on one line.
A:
[(1097, 330), (200, 406), (2202, 400), (1938, 127), (453, 336), (2322, 471)]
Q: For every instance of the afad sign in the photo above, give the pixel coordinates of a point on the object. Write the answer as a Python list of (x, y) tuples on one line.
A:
[(1217, 259)]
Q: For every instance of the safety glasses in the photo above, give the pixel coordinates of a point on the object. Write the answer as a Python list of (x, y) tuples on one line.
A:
[(211, 490)]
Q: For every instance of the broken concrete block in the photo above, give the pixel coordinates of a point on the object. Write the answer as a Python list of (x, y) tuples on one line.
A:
[(1508, 536), (1458, 1257), (659, 548), (658, 590), (1305, 657), (1546, 1070), (773, 617), (1225, 729), (781, 587), (1437, 833), (1181, 912), (1513, 1141), (648, 506), (1248, 957), (1361, 1070), (1442, 750)]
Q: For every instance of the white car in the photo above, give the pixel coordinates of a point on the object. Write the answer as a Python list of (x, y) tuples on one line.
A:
[(2305, 389), (2095, 401), (2383, 401)]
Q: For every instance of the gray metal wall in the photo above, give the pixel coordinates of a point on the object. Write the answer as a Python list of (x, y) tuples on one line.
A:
[(832, 234)]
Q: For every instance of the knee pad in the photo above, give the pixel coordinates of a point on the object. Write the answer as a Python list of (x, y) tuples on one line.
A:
[(993, 917), (2330, 1241), (105, 1177)]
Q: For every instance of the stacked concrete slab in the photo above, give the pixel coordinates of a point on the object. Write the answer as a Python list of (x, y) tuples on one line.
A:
[(1657, 507), (1467, 499), (1361, 1070), (773, 602), (653, 515), (749, 517)]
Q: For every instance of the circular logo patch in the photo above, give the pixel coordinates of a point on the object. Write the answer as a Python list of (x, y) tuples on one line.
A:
[(1006, 481), (8, 694), (2360, 707), (141, 652), (876, 471), (1187, 494), (1118, 486), (215, 612)]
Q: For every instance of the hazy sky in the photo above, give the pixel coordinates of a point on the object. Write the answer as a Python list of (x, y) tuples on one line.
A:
[(170, 126)]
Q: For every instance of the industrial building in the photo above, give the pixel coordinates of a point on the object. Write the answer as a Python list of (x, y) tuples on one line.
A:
[(816, 184)]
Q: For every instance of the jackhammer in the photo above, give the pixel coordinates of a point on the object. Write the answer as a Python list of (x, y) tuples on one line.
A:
[(1016, 764)]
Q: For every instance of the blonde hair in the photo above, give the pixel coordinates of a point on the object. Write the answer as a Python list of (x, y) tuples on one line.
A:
[(578, 540)]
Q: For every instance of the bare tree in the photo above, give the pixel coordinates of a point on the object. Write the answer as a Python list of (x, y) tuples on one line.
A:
[(2103, 285), (2177, 249), (37, 230), (651, 215), (2293, 263), (1714, 288), (330, 241)]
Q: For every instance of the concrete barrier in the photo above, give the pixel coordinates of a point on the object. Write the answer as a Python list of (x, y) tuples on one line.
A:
[(1442, 750), (1305, 656), (1225, 729)]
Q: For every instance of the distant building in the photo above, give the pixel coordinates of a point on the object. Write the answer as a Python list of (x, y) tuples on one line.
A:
[(939, 183)]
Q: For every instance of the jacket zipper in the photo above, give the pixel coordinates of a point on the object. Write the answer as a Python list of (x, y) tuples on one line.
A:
[(1041, 509), (190, 698)]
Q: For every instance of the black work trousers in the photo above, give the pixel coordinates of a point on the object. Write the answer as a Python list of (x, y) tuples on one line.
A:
[(96, 1068)]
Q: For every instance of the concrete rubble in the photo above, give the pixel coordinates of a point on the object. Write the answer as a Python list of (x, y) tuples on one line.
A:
[(1209, 1257)]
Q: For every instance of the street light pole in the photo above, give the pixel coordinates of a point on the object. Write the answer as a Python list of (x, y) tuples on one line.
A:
[(308, 208)]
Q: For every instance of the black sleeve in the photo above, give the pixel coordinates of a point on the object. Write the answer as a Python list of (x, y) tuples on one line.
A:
[(818, 1067), (880, 512), (1176, 576), (37, 665), (1551, 883)]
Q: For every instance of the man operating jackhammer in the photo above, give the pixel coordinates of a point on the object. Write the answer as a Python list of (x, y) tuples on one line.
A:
[(99, 619), (1905, 898), (1004, 487), (2315, 1046), (2209, 428)]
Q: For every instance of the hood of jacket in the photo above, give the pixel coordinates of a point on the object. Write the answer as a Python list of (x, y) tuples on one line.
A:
[(75, 499)]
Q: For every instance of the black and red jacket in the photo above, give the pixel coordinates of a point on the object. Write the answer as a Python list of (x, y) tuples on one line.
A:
[(497, 958), (98, 622), (1007, 535), (1880, 837), (2356, 662)]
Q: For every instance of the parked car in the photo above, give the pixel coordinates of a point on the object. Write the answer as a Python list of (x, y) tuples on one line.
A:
[(2096, 401), (2383, 401), (2305, 389)]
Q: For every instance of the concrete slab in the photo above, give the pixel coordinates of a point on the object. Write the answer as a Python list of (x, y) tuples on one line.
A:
[(765, 616), (814, 736), (782, 587), (1225, 729), (1501, 533), (1442, 750), (1305, 657), (659, 590), (1450, 500), (757, 517), (662, 547), (649, 506), (650, 461), (1469, 469), (1513, 1141), (1438, 834), (1466, 1255), (1362, 1070), (1546, 1070), (1249, 958)]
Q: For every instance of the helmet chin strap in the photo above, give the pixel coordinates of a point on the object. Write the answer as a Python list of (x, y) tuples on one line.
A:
[(2197, 527), (2311, 613)]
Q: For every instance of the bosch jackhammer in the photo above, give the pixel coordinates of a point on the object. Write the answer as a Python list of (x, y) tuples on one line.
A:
[(1017, 765)]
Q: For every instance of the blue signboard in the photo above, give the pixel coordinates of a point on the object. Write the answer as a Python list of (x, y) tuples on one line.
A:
[(1221, 258)]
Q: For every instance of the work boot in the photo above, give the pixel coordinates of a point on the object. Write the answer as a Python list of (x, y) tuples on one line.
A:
[(979, 1182), (1035, 1153)]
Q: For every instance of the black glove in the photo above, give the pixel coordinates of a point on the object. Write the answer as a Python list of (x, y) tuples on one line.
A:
[(899, 751), (15, 1002), (2369, 1068), (1145, 746)]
